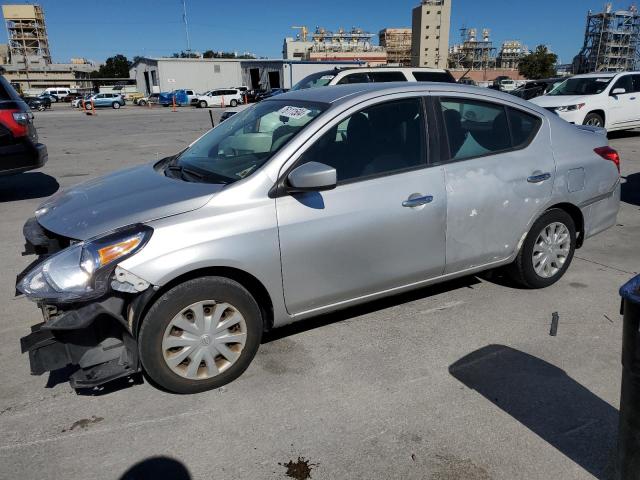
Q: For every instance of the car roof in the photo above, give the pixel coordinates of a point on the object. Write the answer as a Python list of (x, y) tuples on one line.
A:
[(338, 94), (599, 75)]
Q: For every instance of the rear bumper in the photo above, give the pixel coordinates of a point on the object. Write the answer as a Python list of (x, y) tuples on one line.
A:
[(22, 157)]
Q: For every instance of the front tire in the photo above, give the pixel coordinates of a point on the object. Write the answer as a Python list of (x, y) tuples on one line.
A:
[(594, 120), (202, 104), (547, 251), (200, 335), (142, 103)]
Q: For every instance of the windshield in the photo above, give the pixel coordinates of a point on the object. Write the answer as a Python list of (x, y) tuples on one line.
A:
[(582, 86), (320, 79), (243, 143)]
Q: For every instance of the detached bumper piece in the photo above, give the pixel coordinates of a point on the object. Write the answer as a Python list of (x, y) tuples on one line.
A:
[(91, 338)]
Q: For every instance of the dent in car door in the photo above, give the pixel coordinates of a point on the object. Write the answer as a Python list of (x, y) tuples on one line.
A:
[(494, 190), (382, 227)]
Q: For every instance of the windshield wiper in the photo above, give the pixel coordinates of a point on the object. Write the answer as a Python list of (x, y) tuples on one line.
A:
[(208, 177)]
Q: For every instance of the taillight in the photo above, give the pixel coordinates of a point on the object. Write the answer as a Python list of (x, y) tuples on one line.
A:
[(16, 121), (610, 154)]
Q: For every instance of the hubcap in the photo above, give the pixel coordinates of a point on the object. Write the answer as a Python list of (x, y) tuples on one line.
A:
[(204, 340), (593, 122), (551, 250)]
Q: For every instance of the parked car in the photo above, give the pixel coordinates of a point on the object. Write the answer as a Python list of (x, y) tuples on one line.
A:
[(497, 81), (181, 98), (508, 85), (49, 96), (35, 103), (77, 102), (230, 112), (467, 81), (535, 88), (20, 149), (101, 100), (57, 92), (217, 98), (154, 98), (608, 100), (306, 203), (46, 100), (252, 95), (71, 97), (373, 75), (270, 93)]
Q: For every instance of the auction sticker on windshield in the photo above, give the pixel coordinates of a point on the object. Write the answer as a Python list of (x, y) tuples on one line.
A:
[(293, 112)]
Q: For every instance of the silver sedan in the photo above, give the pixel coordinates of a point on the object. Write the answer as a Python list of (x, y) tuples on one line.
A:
[(303, 204)]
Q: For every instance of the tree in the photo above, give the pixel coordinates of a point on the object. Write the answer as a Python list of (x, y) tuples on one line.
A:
[(184, 54), (114, 67), (539, 64)]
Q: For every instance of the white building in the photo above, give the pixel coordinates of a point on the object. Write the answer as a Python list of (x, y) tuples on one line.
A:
[(202, 74)]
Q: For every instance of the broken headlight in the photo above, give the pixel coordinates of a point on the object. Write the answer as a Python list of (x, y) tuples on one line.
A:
[(82, 271)]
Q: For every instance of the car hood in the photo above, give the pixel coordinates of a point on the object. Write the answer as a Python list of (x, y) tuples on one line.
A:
[(559, 100), (135, 195)]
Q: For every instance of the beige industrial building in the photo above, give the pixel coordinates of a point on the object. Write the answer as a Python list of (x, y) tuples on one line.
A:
[(340, 46), (397, 43), (430, 33)]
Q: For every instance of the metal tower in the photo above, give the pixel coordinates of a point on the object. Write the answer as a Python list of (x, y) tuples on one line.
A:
[(611, 42)]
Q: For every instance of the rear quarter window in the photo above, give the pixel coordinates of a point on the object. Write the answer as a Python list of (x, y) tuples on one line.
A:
[(433, 77), (380, 77)]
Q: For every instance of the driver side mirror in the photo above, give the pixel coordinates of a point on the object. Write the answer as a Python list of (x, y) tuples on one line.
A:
[(618, 91), (312, 177)]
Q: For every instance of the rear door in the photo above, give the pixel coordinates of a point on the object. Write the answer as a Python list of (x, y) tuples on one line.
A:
[(624, 107), (499, 174), (382, 227)]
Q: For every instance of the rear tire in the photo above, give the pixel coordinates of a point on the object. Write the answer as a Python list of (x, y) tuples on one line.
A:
[(546, 252), (142, 103), (233, 103), (116, 105), (159, 332), (594, 120)]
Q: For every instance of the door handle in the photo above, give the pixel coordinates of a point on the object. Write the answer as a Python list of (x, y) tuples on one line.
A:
[(539, 178), (413, 202)]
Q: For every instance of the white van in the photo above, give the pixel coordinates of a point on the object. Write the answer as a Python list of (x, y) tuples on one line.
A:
[(59, 92)]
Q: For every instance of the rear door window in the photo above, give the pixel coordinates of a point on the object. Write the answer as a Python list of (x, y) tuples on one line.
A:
[(477, 128), (624, 82), (380, 77)]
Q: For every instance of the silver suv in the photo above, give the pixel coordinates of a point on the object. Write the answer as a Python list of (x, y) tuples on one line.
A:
[(305, 203)]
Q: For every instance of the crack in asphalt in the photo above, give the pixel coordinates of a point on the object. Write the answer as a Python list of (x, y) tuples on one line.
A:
[(606, 266)]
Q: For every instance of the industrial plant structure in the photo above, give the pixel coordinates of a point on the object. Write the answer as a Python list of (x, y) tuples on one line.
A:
[(397, 42), (611, 42), (341, 45), (431, 21), (510, 54), (26, 33), (473, 53)]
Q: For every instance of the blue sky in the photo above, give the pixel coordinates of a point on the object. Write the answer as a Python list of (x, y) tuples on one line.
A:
[(98, 29)]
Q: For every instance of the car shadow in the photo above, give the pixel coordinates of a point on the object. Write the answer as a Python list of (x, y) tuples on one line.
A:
[(156, 468), (623, 134), (631, 189), (543, 398), (366, 308), (25, 186)]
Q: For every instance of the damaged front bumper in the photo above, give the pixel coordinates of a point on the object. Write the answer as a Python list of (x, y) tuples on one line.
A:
[(95, 338), (91, 338)]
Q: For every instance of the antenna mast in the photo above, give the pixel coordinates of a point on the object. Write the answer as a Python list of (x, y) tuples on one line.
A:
[(186, 24)]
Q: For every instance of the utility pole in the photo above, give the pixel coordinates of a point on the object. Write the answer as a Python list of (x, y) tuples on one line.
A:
[(186, 24)]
